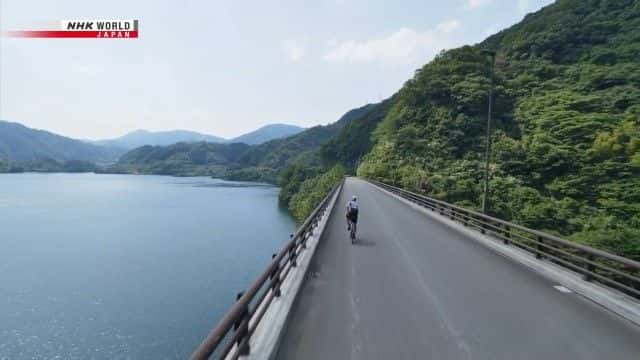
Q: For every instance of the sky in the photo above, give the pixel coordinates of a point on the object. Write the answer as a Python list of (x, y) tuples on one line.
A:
[(227, 67)]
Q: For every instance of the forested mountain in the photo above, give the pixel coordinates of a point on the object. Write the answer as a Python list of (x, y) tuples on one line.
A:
[(566, 139), (26, 145), (139, 138), (26, 149), (236, 161), (354, 139), (202, 158), (267, 133)]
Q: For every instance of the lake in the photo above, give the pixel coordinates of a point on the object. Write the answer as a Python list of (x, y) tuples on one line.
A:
[(126, 266)]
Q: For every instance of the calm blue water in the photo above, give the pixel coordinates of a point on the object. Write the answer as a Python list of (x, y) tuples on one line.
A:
[(126, 267)]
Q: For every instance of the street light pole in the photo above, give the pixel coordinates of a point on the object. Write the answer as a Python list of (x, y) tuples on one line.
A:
[(487, 152)]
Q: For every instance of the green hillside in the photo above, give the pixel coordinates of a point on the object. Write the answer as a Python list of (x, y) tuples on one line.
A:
[(267, 133), (566, 139), (140, 138), (313, 173), (182, 159), (29, 146), (236, 161)]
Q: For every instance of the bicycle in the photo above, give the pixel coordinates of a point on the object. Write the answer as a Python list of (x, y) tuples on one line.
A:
[(352, 231)]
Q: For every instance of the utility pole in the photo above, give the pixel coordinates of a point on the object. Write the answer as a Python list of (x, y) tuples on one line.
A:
[(487, 152)]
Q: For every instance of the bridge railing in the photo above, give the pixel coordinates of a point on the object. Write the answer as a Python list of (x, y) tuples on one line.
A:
[(595, 265), (230, 338)]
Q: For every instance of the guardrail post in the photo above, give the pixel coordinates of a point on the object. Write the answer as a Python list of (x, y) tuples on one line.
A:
[(292, 256), (303, 241), (590, 269), (241, 327), (238, 319), (463, 216), (507, 234), (539, 248), (275, 280)]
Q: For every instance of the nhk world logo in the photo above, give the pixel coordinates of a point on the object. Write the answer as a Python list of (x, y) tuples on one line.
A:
[(83, 29)]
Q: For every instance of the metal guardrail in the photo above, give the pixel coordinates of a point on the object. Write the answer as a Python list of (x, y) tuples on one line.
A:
[(230, 338), (595, 265)]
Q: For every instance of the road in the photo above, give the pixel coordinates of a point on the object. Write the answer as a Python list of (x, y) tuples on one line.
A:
[(413, 288)]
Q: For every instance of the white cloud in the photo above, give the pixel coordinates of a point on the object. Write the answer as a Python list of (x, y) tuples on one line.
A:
[(293, 50), (404, 46), (474, 4)]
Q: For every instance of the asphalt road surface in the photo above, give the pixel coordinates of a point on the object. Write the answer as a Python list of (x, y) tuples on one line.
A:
[(413, 288)]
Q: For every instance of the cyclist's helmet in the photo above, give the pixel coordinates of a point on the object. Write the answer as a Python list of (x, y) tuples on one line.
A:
[(354, 198)]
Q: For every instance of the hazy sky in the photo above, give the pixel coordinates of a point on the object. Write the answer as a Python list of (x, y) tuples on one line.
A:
[(227, 67)]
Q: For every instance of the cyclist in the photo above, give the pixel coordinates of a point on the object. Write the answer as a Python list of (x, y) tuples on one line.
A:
[(352, 212)]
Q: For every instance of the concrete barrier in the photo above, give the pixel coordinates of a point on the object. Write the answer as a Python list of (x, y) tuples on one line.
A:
[(266, 338)]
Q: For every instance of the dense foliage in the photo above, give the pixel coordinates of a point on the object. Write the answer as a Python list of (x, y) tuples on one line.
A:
[(354, 140), (340, 155), (182, 159), (313, 190), (236, 161), (46, 165), (566, 125)]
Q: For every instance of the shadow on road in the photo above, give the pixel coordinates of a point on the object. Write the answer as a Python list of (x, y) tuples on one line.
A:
[(364, 242)]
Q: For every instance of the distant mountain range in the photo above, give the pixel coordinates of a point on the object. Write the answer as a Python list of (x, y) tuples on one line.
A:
[(23, 144), (139, 138), (267, 133), (236, 160)]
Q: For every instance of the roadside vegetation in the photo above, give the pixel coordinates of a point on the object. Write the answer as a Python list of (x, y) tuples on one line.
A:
[(566, 138)]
